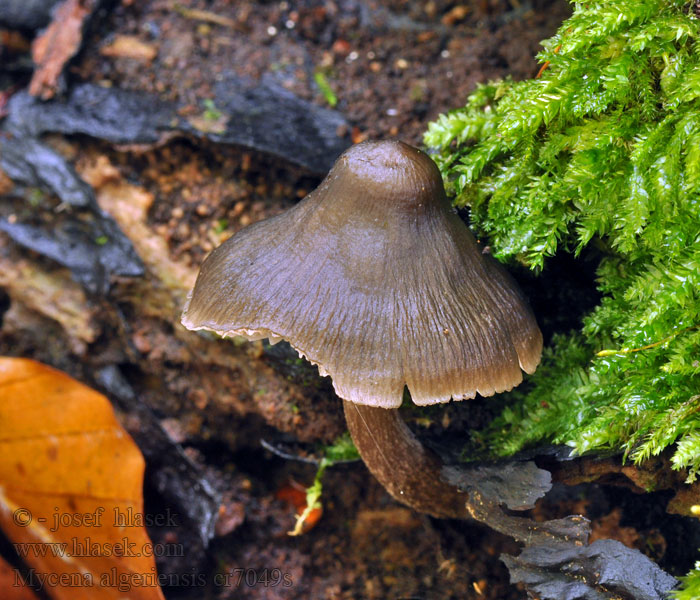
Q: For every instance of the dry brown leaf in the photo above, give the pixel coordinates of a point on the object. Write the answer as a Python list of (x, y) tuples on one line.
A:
[(129, 46), (70, 488), (58, 44)]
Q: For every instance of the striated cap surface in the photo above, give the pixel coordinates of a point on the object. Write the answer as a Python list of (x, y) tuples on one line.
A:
[(375, 279)]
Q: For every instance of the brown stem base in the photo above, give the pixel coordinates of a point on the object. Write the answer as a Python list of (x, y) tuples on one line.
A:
[(408, 470)]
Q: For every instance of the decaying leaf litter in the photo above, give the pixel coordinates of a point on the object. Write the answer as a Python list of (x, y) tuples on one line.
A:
[(70, 477), (181, 185)]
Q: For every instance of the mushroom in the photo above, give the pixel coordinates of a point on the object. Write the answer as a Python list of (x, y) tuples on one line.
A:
[(374, 278)]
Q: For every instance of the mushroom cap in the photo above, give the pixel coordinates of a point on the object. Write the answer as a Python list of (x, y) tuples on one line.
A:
[(374, 278)]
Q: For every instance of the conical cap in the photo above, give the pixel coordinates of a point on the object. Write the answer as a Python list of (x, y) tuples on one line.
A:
[(375, 279)]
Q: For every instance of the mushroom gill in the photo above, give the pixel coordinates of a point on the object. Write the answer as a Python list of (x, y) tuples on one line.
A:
[(374, 278)]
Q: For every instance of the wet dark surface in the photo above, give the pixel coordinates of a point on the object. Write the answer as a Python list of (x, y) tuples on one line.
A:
[(604, 570), (26, 14), (180, 482), (29, 162), (518, 485), (260, 116)]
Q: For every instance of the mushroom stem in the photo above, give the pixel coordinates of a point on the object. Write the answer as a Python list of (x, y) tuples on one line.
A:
[(409, 471)]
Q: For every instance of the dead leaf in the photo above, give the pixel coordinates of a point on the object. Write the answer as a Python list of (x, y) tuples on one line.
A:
[(70, 488), (129, 46), (58, 44)]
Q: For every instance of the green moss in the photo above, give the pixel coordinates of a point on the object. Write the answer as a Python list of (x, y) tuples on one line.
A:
[(342, 449), (604, 149), (325, 87), (211, 113), (690, 585)]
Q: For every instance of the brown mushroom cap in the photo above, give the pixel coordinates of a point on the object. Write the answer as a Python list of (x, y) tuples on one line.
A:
[(374, 278)]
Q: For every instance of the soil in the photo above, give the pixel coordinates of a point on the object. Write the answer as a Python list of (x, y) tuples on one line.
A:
[(393, 66)]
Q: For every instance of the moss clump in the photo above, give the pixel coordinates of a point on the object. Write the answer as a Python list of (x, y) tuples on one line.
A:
[(602, 149), (690, 589)]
